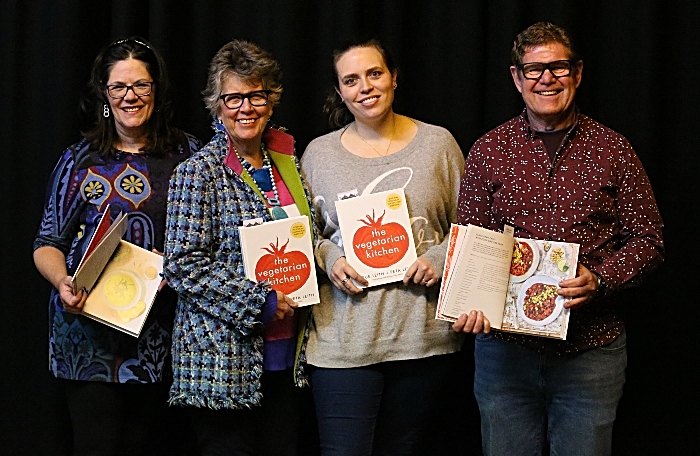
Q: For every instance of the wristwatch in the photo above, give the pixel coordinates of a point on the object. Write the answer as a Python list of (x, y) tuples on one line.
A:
[(602, 287)]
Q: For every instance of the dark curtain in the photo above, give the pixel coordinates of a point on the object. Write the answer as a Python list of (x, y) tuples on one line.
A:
[(641, 64)]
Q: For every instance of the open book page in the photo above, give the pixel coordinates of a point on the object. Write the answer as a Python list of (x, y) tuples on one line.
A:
[(455, 238), (478, 273), (281, 253), (514, 281), (126, 289), (97, 256), (533, 305), (377, 235)]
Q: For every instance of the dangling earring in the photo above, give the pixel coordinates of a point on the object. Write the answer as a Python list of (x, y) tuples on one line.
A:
[(105, 110), (217, 125)]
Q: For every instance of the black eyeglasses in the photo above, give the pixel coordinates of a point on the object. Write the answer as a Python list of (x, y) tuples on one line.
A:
[(558, 68), (140, 89), (256, 98)]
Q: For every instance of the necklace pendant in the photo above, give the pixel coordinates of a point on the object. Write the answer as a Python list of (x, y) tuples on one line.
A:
[(278, 213), (273, 201)]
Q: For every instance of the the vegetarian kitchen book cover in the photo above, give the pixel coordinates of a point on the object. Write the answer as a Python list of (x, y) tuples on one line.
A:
[(280, 252), (377, 236)]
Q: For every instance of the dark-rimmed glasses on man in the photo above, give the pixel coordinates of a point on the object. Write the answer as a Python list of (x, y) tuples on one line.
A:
[(558, 68)]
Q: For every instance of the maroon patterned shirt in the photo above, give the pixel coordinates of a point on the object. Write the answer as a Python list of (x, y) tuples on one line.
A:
[(596, 194)]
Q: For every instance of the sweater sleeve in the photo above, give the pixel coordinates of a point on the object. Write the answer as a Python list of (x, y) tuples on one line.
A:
[(452, 161)]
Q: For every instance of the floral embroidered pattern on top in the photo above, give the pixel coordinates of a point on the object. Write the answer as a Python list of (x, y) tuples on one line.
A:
[(81, 186)]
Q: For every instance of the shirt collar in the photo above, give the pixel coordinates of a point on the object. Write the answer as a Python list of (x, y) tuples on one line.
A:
[(527, 129)]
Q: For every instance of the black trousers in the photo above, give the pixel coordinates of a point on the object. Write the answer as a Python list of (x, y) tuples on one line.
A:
[(269, 430), (118, 419)]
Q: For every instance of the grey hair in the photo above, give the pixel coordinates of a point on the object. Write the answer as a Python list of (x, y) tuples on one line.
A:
[(247, 61)]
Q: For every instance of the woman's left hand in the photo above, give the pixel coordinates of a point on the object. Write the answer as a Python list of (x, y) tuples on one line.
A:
[(421, 272)]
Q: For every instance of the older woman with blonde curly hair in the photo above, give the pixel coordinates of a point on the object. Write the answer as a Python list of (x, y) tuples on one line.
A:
[(234, 342)]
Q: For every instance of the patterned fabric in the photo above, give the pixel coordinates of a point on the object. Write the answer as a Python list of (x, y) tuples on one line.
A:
[(81, 186), (596, 193), (217, 340)]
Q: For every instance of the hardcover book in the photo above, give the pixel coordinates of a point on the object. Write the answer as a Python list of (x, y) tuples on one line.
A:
[(121, 279), (513, 281), (377, 235), (281, 253)]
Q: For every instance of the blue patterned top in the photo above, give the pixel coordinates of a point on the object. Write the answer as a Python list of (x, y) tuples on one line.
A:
[(81, 186), (218, 336)]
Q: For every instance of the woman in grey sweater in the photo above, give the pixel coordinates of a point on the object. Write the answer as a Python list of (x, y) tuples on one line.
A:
[(378, 357)]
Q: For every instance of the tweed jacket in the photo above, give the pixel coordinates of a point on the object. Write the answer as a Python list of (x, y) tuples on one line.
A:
[(217, 335)]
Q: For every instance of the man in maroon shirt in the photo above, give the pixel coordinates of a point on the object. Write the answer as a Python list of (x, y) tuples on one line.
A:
[(556, 174)]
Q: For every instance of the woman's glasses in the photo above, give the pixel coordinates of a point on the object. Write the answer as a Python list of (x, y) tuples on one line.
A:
[(140, 89), (256, 98)]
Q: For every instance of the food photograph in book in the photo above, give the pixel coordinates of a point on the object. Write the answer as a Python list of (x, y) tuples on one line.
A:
[(533, 305), (124, 293)]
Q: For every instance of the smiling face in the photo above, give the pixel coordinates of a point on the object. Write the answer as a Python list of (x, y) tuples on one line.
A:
[(549, 100), (246, 124), (131, 113), (365, 83)]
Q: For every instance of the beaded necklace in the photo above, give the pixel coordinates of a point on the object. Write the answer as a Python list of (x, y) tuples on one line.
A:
[(264, 180)]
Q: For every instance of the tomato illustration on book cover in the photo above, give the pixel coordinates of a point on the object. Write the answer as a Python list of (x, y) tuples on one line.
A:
[(280, 253), (285, 271), (380, 245)]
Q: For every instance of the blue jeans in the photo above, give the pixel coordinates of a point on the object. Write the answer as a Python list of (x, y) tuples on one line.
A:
[(382, 409), (529, 400)]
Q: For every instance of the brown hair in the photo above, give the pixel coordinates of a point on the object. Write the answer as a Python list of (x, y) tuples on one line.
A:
[(101, 131), (338, 114), (538, 34)]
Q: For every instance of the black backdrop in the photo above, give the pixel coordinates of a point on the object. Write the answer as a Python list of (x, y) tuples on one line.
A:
[(640, 78)]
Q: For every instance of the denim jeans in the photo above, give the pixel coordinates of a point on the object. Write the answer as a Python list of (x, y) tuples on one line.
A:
[(385, 409), (530, 400)]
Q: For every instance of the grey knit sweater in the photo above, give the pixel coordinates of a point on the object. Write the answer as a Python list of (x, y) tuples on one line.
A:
[(393, 321)]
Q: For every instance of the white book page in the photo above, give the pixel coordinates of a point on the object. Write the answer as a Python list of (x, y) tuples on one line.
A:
[(126, 289), (479, 280)]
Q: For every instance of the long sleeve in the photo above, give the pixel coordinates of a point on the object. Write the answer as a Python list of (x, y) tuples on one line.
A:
[(203, 262)]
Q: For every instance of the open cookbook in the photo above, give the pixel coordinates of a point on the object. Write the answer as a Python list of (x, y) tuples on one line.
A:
[(121, 279), (513, 281)]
